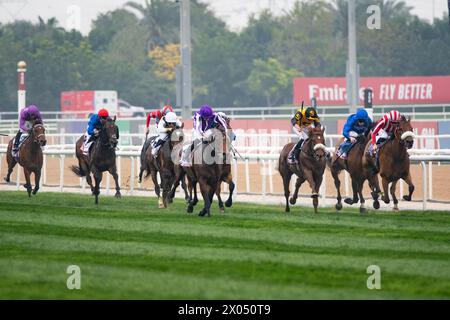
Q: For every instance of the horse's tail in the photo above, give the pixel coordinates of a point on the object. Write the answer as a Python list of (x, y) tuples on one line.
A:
[(78, 171)]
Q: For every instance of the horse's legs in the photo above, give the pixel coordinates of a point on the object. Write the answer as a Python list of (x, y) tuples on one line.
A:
[(37, 178), (314, 187), (385, 197), (315, 195), (195, 200), (375, 190), (337, 184), (27, 184), (184, 187), (231, 186), (219, 198), (355, 188), (154, 175), (190, 207), (98, 179), (286, 182), (205, 190), (113, 172), (298, 184), (362, 207), (408, 180), (11, 164), (394, 198)]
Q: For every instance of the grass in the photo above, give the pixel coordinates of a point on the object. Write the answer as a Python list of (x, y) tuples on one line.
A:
[(128, 249)]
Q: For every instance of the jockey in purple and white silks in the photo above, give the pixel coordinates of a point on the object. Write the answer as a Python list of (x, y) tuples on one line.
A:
[(29, 116), (204, 121)]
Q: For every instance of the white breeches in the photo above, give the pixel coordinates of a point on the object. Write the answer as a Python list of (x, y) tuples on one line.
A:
[(382, 134)]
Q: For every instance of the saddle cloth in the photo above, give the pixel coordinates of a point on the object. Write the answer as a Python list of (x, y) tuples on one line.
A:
[(23, 137)]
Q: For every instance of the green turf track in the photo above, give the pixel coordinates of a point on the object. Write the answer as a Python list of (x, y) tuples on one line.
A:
[(128, 249)]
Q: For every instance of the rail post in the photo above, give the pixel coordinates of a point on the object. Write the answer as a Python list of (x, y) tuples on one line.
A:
[(424, 184), (61, 172), (430, 180)]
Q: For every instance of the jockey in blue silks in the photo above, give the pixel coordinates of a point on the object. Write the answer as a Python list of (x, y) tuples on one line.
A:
[(357, 124)]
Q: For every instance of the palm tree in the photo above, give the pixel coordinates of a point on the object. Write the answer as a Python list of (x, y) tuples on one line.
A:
[(160, 18)]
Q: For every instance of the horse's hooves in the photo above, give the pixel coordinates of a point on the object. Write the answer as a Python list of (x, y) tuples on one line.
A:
[(376, 204), (190, 209), (386, 200), (202, 213), (395, 209), (287, 210), (228, 203), (118, 195), (222, 210), (338, 206), (348, 201), (362, 210), (315, 195), (292, 200), (407, 198), (6, 179)]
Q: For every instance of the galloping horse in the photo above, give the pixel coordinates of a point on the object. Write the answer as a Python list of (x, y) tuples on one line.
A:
[(30, 157), (394, 162), (102, 158), (168, 154), (353, 165), (311, 166), (211, 171)]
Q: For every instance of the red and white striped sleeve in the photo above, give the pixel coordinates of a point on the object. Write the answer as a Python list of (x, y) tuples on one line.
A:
[(380, 125)]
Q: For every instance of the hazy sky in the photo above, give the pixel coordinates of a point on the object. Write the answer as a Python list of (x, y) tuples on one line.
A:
[(234, 12)]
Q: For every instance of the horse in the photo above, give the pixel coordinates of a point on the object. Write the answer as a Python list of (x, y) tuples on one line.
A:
[(394, 162), (168, 154), (310, 167), (211, 171), (30, 157), (102, 157), (353, 165)]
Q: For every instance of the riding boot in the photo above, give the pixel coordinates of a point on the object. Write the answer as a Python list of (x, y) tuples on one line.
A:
[(17, 141), (293, 156), (156, 147)]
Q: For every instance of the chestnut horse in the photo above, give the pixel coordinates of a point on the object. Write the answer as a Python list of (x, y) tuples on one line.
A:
[(102, 158), (30, 157), (310, 167), (394, 162), (353, 165)]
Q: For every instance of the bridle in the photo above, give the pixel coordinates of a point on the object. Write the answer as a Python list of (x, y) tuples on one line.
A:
[(36, 137)]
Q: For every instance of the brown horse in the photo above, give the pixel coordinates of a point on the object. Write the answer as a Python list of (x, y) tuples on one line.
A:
[(30, 157), (353, 165), (168, 155), (310, 167), (394, 162), (102, 157), (210, 167)]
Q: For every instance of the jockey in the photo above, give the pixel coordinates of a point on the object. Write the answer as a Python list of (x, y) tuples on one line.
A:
[(28, 117), (157, 115), (204, 120), (357, 123), (93, 129), (384, 129), (301, 121), (221, 117), (166, 125)]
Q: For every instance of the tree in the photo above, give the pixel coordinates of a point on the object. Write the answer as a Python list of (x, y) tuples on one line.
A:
[(271, 80)]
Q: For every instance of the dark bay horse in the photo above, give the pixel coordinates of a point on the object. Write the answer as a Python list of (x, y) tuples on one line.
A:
[(353, 165), (30, 157), (310, 167), (209, 168), (164, 163), (394, 162), (102, 157)]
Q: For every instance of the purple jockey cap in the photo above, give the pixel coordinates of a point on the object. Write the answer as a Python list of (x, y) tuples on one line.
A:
[(32, 109), (206, 112)]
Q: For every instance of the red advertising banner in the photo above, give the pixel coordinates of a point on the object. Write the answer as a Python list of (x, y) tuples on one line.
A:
[(386, 91)]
